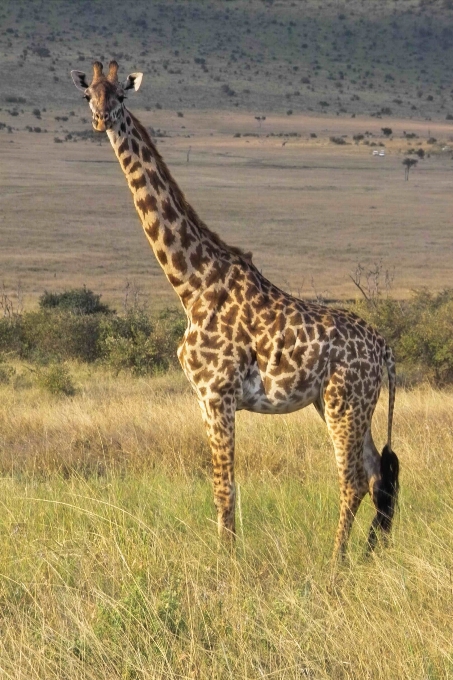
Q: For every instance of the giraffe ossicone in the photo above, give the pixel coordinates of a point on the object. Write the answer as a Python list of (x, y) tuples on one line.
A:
[(248, 344)]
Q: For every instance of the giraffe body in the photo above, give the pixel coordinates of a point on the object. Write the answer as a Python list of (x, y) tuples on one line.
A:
[(249, 345)]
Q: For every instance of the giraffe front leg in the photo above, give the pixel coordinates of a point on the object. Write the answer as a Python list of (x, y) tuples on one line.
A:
[(218, 415)]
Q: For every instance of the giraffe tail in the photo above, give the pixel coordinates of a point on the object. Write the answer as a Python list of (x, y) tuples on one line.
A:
[(386, 493), (389, 460)]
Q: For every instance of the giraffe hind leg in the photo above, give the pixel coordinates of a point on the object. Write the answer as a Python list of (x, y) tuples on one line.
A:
[(348, 433)]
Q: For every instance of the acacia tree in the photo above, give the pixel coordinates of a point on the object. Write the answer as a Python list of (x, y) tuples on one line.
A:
[(408, 164)]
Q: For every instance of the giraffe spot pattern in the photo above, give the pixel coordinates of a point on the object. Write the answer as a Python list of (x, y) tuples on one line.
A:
[(250, 345)]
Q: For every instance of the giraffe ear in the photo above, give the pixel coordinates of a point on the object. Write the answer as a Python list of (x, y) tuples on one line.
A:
[(80, 80), (134, 80)]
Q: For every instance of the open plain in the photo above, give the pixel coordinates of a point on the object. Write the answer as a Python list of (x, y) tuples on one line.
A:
[(310, 210)]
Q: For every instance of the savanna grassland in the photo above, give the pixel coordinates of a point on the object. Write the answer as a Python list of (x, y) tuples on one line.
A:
[(109, 558), (267, 113)]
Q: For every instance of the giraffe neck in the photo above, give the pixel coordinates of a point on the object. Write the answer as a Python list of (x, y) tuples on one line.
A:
[(192, 257)]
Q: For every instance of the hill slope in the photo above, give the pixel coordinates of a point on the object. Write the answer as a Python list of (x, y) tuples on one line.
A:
[(375, 57)]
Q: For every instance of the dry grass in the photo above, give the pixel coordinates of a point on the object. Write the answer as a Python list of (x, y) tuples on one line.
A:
[(109, 560)]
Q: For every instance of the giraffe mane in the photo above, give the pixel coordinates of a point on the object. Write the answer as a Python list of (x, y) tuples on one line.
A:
[(191, 213)]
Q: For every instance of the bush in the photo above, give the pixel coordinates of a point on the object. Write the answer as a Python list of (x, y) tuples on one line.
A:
[(48, 336), (74, 325), (420, 331), (6, 372), (56, 379), (76, 300), (137, 344)]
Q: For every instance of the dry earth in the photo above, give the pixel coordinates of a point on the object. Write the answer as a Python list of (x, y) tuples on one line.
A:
[(309, 209)]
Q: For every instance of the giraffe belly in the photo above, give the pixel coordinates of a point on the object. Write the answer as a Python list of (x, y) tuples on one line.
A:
[(264, 394)]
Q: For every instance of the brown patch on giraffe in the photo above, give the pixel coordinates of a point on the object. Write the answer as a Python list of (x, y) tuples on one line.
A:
[(227, 331), (210, 357), (228, 350), (162, 256), (298, 354), (186, 237), (218, 272), (168, 211), (282, 365), (213, 324), (136, 134), (192, 338), (216, 298), (175, 282), (138, 183), (153, 230), (135, 166), (169, 237), (206, 375), (135, 147), (280, 396), (178, 260), (230, 315), (146, 154), (212, 341), (264, 347), (154, 178), (123, 147), (198, 259), (286, 383), (198, 312), (176, 197), (290, 339), (243, 357), (194, 361), (126, 162), (147, 204), (242, 336), (195, 281)]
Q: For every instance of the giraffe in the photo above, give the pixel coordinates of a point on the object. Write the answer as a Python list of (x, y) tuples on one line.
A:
[(248, 344)]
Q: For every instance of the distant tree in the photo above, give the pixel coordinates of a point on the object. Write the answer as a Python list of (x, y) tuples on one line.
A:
[(408, 164), (387, 131)]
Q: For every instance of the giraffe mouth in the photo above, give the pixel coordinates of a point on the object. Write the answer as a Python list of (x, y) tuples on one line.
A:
[(100, 125)]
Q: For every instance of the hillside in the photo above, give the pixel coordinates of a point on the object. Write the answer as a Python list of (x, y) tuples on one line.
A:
[(385, 57)]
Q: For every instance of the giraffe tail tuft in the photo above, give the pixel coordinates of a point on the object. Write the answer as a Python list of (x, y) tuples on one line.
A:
[(389, 486), (385, 496)]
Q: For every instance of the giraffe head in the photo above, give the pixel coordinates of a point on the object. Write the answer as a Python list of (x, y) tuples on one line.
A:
[(105, 94)]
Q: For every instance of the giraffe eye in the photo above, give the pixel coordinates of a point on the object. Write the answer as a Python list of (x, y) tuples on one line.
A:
[(121, 97), (87, 97)]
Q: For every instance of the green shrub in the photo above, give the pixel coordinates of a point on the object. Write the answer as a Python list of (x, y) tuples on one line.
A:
[(58, 336), (11, 334), (6, 372), (75, 300), (55, 379), (419, 330), (138, 344)]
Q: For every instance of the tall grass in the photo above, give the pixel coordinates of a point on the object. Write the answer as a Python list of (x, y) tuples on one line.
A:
[(109, 563)]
